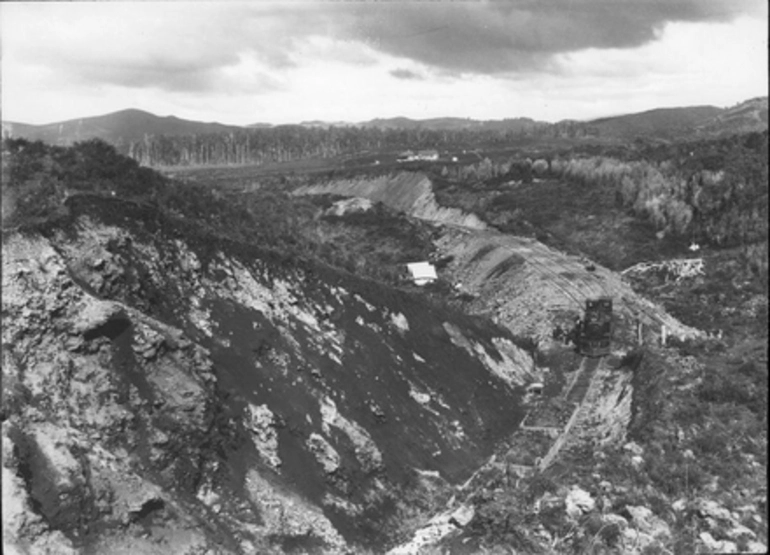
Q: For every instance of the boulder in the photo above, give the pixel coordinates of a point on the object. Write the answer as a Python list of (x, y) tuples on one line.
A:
[(578, 502), (612, 518), (57, 477), (324, 453), (633, 448), (644, 519), (679, 505), (756, 547), (636, 542), (463, 515), (260, 420), (98, 318), (605, 485), (717, 546), (740, 531), (354, 205), (711, 509)]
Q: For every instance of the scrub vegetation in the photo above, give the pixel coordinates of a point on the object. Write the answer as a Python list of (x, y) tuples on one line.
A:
[(690, 473)]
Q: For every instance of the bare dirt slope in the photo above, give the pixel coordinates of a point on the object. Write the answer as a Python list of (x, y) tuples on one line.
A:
[(531, 288)]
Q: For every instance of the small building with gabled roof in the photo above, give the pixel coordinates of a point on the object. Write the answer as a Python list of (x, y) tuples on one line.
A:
[(422, 272), (427, 155)]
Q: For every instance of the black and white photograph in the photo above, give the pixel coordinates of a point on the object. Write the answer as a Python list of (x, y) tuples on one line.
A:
[(384, 277)]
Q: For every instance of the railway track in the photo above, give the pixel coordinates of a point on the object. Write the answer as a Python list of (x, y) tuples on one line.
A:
[(579, 387)]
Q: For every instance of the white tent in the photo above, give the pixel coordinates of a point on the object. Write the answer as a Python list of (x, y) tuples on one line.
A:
[(422, 272)]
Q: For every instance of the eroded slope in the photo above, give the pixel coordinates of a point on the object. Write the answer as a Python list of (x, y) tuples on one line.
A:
[(164, 390)]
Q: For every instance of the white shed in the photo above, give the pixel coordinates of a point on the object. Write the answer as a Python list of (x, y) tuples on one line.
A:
[(535, 388), (422, 272)]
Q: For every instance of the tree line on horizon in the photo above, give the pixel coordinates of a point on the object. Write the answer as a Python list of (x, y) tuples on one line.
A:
[(288, 143)]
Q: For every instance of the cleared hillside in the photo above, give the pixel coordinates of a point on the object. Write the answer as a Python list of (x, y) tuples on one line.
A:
[(118, 128), (660, 122)]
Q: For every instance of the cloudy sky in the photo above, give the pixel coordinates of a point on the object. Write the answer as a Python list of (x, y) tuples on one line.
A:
[(287, 62)]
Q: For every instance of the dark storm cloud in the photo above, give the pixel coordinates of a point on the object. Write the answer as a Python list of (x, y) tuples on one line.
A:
[(499, 37), (402, 73), (197, 47)]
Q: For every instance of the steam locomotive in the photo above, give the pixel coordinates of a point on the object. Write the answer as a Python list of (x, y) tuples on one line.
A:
[(594, 337)]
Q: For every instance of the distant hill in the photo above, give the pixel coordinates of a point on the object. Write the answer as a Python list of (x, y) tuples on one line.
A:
[(13, 129), (119, 128), (131, 126), (324, 124), (661, 122), (391, 123), (444, 124), (745, 117)]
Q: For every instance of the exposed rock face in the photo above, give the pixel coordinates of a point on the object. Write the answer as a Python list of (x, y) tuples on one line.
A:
[(261, 421), (579, 502), (409, 192), (165, 394), (353, 205), (104, 408)]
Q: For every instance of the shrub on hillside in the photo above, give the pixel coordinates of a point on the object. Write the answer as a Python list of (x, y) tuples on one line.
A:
[(500, 521), (741, 385), (38, 178)]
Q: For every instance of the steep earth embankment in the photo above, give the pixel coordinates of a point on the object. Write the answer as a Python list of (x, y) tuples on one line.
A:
[(165, 392), (526, 286), (532, 289), (410, 192)]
